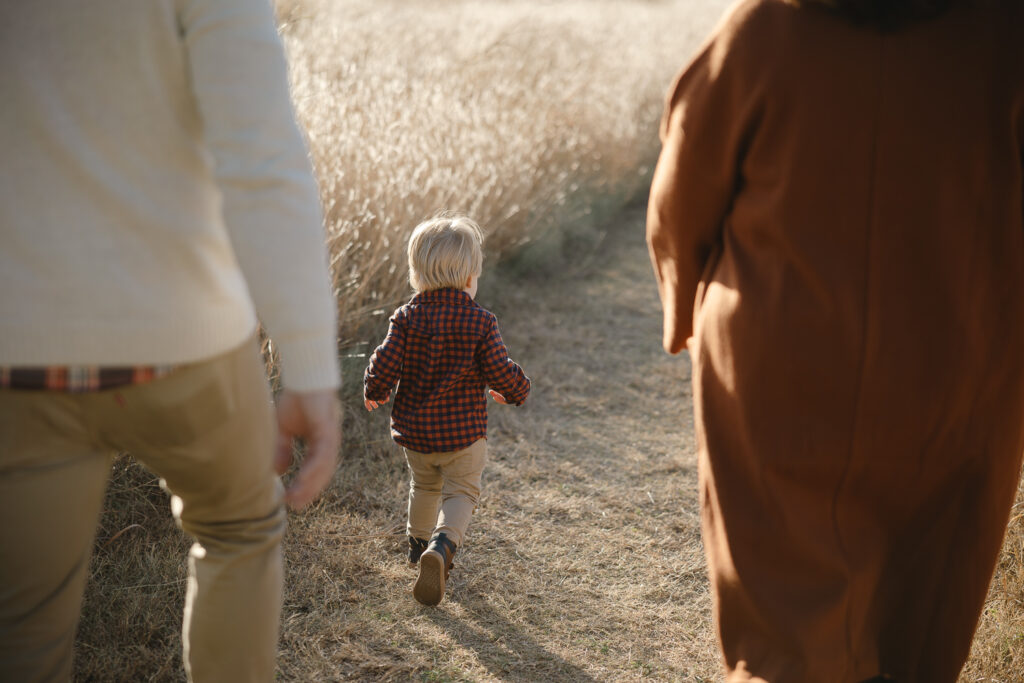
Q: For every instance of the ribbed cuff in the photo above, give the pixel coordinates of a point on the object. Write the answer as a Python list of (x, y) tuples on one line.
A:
[(309, 363)]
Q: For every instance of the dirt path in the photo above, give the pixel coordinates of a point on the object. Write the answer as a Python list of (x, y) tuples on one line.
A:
[(592, 492), (583, 562)]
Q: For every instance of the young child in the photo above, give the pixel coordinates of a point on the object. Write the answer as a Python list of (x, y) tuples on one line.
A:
[(442, 350)]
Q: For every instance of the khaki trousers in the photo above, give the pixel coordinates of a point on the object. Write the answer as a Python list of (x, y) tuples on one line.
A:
[(207, 430), (444, 490)]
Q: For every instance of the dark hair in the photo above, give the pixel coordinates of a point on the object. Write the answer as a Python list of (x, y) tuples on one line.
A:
[(886, 14)]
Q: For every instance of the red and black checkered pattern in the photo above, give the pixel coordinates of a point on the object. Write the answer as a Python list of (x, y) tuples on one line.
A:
[(443, 350), (79, 379)]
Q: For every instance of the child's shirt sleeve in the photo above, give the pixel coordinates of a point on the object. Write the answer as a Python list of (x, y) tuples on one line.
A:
[(499, 371), (385, 366)]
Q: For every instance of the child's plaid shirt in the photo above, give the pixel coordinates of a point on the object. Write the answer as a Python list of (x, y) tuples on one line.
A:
[(443, 350)]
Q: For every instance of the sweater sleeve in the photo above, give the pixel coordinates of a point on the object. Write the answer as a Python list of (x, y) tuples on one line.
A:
[(271, 205), (703, 131)]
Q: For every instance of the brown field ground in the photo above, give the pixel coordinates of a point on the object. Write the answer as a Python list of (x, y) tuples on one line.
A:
[(583, 562)]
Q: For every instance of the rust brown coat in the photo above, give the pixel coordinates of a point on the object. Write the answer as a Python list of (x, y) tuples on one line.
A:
[(837, 220)]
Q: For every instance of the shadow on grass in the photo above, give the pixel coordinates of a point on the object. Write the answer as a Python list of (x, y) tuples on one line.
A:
[(503, 648)]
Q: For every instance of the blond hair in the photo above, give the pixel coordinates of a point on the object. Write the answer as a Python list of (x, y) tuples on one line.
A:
[(445, 251)]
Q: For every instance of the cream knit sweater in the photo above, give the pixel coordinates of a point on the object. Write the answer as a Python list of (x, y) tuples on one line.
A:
[(155, 191)]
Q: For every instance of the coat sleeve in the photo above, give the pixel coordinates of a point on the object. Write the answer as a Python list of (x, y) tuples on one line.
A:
[(703, 132)]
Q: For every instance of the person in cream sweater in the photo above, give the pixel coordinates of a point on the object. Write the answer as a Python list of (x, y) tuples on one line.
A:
[(156, 203)]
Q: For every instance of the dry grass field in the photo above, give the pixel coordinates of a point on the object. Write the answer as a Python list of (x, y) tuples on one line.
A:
[(528, 115), (584, 560)]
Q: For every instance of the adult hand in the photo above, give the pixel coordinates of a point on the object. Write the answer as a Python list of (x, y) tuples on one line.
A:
[(497, 397), (314, 417)]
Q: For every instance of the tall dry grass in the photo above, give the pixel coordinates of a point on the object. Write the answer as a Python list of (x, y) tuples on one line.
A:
[(525, 115)]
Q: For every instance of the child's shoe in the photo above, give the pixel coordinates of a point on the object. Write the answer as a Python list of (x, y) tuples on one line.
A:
[(416, 548), (435, 563)]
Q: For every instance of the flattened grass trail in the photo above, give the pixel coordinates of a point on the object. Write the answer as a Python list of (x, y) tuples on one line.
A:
[(591, 501), (583, 561)]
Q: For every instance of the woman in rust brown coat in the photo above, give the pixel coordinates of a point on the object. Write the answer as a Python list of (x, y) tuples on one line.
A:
[(837, 228)]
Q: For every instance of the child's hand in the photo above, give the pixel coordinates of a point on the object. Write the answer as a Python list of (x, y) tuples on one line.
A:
[(497, 397), (373, 405)]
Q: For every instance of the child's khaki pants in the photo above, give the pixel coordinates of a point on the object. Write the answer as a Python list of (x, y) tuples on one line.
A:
[(207, 430), (449, 481)]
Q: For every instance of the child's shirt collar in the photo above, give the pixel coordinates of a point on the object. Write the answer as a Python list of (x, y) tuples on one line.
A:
[(444, 296)]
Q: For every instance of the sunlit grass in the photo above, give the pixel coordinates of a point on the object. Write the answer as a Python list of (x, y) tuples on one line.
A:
[(522, 114)]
